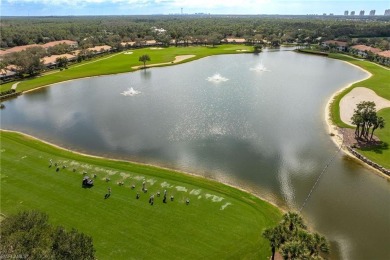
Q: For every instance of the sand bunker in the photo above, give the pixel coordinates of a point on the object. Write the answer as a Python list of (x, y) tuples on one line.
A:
[(128, 52), (182, 57), (348, 102), (156, 48), (176, 60), (241, 50)]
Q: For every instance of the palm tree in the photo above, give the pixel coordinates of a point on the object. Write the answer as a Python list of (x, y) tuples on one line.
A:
[(319, 245), (144, 58), (293, 241), (293, 250), (292, 221), (275, 237), (378, 122), (357, 120)]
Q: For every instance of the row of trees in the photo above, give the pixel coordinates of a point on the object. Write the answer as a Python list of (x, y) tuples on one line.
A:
[(111, 30), (29, 235), (366, 120), (292, 239)]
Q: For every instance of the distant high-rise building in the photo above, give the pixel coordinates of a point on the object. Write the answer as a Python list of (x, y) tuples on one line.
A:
[(346, 12), (372, 12), (331, 14), (361, 13), (387, 12), (353, 13)]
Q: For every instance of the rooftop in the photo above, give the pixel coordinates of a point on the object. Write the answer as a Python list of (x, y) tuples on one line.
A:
[(366, 48)]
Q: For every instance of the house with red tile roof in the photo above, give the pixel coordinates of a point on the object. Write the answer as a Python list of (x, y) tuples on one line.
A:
[(100, 49), (234, 40), (340, 46), (18, 49), (362, 50), (73, 44), (385, 54), (52, 60)]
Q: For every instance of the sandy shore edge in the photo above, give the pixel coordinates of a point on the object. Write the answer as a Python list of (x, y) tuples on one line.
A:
[(281, 208), (338, 135)]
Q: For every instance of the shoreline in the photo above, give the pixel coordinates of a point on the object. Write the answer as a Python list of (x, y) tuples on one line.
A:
[(338, 134), (279, 207), (134, 70)]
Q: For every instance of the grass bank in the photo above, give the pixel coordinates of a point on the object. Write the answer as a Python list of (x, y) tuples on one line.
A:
[(123, 62), (378, 82), (220, 222)]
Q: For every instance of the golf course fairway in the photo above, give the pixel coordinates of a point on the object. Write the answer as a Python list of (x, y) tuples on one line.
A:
[(219, 221)]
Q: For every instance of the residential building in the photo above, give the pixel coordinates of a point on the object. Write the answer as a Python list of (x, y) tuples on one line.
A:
[(72, 44), (100, 49), (50, 61), (346, 12), (362, 50), (361, 13), (372, 12), (352, 13), (339, 45)]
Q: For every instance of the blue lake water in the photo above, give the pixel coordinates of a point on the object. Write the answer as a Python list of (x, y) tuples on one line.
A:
[(259, 124)]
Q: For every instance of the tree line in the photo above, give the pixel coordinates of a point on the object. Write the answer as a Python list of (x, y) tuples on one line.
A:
[(96, 30)]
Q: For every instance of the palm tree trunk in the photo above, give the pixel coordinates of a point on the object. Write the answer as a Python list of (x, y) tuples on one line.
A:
[(357, 130), (273, 253), (363, 130), (372, 133)]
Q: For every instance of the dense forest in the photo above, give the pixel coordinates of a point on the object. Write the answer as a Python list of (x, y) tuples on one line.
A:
[(95, 30)]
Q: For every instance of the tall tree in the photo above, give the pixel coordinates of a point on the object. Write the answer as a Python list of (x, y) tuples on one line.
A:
[(30, 235), (275, 237), (293, 241), (144, 58), (378, 122), (365, 118)]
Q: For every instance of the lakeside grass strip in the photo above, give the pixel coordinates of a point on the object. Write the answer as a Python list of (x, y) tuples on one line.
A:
[(379, 83), (121, 63), (122, 226)]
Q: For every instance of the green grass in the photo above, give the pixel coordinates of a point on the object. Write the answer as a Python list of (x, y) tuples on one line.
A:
[(123, 227), (120, 63), (379, 83), (381, 154)]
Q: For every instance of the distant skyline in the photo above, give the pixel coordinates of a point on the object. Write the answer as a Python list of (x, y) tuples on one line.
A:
[(148, 7)]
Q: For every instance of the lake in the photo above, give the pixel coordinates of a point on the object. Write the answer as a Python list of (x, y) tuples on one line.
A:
[(254, 121)]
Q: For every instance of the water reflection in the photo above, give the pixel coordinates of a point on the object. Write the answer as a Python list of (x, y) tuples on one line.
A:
[(264, 131)]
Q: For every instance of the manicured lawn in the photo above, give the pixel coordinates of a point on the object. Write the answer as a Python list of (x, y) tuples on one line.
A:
[(379, 82), (120, 63), (220, 222), (382, 154)]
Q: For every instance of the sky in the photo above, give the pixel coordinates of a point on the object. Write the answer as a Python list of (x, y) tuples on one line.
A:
[(148, 7)]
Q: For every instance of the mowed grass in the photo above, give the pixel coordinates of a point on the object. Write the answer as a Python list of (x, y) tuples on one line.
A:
[(220, 222), (381, 154), (380, 83), (121, 62)]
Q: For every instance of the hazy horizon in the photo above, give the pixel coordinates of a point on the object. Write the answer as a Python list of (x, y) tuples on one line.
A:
[(166, 7)]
